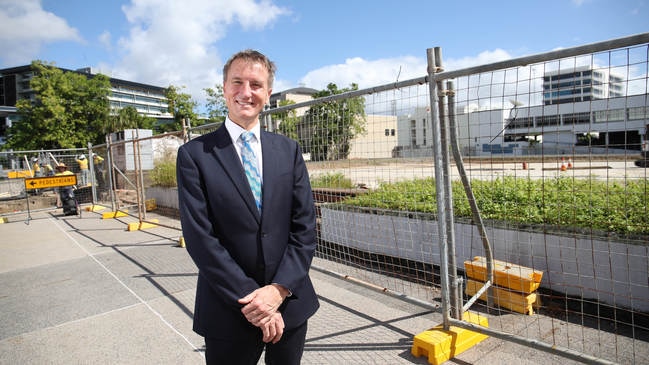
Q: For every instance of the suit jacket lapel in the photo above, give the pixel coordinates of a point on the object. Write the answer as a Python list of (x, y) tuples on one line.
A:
[(271, 166), (228, 158)]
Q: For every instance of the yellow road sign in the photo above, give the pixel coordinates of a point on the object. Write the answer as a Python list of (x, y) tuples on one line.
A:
[(50, 181)]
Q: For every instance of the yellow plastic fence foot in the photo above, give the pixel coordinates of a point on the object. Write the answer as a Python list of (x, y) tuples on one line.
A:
[(440, 345), (116, 214), (136, 226), (181, 242), (4, 220), (95, 208)]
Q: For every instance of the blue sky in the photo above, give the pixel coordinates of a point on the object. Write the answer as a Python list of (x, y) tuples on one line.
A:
[(186, 42)]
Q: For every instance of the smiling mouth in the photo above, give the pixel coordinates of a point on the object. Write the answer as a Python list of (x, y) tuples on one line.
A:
[(245, 103)]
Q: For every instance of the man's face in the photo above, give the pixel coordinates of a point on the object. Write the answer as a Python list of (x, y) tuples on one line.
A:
[(246, 91)]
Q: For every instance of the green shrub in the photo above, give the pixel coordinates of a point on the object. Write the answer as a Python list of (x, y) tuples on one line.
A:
[(563, 202), (164, 173), (332, 180)]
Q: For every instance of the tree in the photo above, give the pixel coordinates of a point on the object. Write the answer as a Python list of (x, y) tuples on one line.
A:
[(68, 110), (182, 106), (288, 120), (127, 118), (335, 124), (216, 107)]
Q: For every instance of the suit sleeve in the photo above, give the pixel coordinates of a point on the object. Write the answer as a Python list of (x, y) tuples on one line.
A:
[(213, 260), (296, 261)]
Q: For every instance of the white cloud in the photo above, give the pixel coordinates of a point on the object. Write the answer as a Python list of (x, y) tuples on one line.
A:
[(105, 39), (365, 73), (174, 42), (25, 27), (482, 58), (368, 73)]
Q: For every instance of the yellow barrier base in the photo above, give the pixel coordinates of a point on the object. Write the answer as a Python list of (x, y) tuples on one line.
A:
[(181, 242), (95, 208), (117, 214), (440, 345), (136, 226), (4, 220), (507, 275), (150, 205), (514, 301)]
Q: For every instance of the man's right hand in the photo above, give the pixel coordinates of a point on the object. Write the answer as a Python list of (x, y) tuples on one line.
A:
[(273, 329)]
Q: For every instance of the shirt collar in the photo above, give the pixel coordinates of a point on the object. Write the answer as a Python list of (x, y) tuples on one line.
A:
[(235, 130)]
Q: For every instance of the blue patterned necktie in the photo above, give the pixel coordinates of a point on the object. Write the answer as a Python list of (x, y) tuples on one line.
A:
[(250, 166)]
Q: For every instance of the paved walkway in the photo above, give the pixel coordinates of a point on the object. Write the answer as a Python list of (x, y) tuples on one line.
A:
[(87, 291)]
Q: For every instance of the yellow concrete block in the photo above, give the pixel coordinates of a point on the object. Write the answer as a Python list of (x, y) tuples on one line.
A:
[(514, 301), (136, 226), (506, 275), (150, 204), (116, 214), (95, 208), (440, 345), (19, 174)]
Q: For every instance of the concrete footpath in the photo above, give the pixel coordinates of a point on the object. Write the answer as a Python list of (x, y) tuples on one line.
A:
[(87, 291)]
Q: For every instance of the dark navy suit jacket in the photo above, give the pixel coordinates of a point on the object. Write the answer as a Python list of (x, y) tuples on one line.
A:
[(237, 249)]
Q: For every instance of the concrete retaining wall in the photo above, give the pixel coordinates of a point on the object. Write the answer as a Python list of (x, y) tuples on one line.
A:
[(611, 272)]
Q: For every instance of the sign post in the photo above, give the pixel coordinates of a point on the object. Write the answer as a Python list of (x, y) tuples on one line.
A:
[(47, 182)]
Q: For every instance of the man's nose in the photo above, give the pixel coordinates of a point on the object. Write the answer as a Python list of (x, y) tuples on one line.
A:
[(245, 89)]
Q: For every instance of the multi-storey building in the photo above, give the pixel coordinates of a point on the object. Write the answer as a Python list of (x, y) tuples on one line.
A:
[(580, 84), (149, 100), (584, 110)]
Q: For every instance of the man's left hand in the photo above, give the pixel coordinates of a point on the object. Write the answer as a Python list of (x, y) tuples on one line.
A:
[(261, 304)]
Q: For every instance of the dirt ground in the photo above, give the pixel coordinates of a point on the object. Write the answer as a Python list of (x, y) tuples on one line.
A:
[(45, 200)]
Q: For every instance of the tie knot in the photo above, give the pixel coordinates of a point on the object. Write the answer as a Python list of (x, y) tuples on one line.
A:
[(247, 137)]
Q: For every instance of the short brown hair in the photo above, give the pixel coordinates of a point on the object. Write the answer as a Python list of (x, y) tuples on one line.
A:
[(251, 55)]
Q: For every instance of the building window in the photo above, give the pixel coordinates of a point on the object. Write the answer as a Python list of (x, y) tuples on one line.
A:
[(576, 118), (413, 132), (548, 120), (423, 125), (638, 113)]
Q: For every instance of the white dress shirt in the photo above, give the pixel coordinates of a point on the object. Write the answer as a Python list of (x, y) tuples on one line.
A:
[(235, 131)]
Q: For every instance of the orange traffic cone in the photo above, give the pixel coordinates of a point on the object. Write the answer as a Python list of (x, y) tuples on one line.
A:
[(563, 164), (569, 163)]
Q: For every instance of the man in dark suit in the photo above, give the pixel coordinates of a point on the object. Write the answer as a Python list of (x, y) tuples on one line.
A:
[(248, 220)]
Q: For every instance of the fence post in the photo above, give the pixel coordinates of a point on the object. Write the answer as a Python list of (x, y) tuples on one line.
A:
[(440, 190)]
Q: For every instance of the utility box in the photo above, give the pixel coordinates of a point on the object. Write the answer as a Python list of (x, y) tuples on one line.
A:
[(125, 146)]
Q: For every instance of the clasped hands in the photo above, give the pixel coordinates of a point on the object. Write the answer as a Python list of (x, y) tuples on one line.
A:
[(260, 309)]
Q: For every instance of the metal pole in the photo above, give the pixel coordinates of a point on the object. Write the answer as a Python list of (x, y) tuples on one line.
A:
[(136, 170), (93, 177), (113, 184), (448, 202), (140, 175), (477, 218), (440, 191)]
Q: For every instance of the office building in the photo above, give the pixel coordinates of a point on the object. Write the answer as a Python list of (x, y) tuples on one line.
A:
[(148, 100)]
